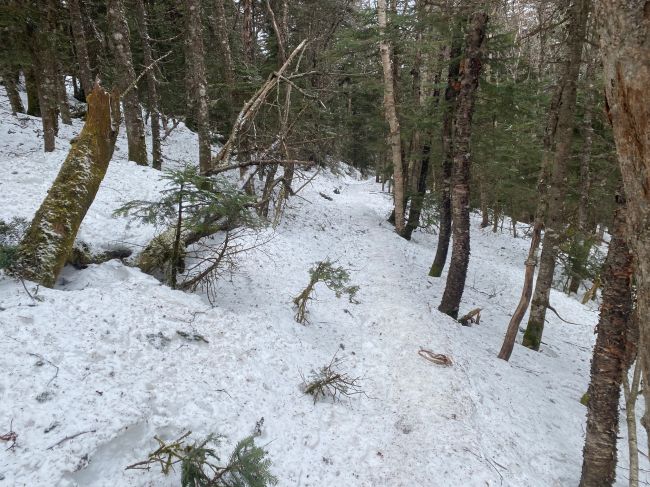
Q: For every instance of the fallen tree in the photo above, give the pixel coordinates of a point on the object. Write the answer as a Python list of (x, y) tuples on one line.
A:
[(48, 242)]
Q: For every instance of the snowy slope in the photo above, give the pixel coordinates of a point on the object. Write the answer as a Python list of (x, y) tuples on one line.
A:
[(123, 374)]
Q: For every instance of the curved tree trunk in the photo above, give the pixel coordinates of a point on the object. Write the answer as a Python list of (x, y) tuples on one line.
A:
[(152, 88), (471, 70), (50, 237), (451, 92), (609, 361), (578, 14), (197, 78), (625, 51), (121, 47)]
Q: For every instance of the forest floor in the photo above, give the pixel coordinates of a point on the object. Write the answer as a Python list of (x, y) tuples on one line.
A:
[(93, 369)]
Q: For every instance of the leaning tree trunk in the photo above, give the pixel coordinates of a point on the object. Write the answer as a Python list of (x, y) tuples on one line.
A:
[(81, 47), (9, 77), (197, 78), (152, 88), (50, 237), (471, 71), (624, 35), (609, 360), (451, 93), (391, 117), (121, 47), (578, 14)]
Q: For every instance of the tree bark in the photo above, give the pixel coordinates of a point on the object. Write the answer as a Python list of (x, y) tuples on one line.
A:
[(451, 93), (152, 84), (578, 14), (48, 242), (62, 96), (221, 32), (31, 87), (197, 78), (390, 110), (121, 48), (624, 33), (470, 72), (81, 47), (247, 32), (9, 77), (609, 361)]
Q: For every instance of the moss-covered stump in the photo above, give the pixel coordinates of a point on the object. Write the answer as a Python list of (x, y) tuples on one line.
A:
[(48, 242)]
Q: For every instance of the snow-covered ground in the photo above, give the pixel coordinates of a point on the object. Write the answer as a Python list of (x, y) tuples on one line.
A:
[(100, 354)]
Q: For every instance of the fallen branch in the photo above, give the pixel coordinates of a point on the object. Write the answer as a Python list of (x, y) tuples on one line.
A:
[(11, 435), (473, 316), (436, 358), (71, 437)]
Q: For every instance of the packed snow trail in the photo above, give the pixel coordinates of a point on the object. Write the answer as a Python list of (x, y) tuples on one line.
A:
[(115, 369)]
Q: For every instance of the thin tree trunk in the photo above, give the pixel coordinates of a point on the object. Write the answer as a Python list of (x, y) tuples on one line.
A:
[(625, 52), (47, 243), (121, 47), (221, 31), (197, 79), (451, 93), (62, 96), (9, 78), (390, 110), (459, 262), (485, 219), (81, 47), (31, 87), (578, 14), (608, 363), (247, 32), (152, 84)]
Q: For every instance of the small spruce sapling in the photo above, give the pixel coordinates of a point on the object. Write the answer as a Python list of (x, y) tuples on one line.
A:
[(191, 204), (248, 465), (335, 278)]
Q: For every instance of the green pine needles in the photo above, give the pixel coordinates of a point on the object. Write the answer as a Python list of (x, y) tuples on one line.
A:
[(335, 278), (191, 207), (248, 465)]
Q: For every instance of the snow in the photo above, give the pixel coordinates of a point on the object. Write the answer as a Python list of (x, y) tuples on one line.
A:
[(103, 347)]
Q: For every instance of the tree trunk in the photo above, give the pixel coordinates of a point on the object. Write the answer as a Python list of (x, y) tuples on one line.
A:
[(609, 361), (50, 237), (247, 32), (81, 48), (152, 84), (221, 31), (121, 48), (471, 70), (578, 14), (197, 79), (390, 110), (44, 63), (417, 200), (62, 96), (9, 78), (485, 218), (451, 93), (625, 51), (31, 87)]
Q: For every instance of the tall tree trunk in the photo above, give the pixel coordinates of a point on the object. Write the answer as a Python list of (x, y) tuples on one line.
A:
[(62, 96), (221, 31), (609, 360), (197, 78), (451, 93), (390, 110), (9, 77), (48, 241), (31, 87), (553, 222), (471, 70), (152, 84), (81, 47), (624, 34), (121, 47), (247, 32)]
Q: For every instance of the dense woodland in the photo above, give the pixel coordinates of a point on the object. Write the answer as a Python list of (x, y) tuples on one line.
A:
[(532, 114)]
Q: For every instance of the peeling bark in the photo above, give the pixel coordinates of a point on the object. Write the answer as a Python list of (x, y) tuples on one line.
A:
[(470, 72)]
